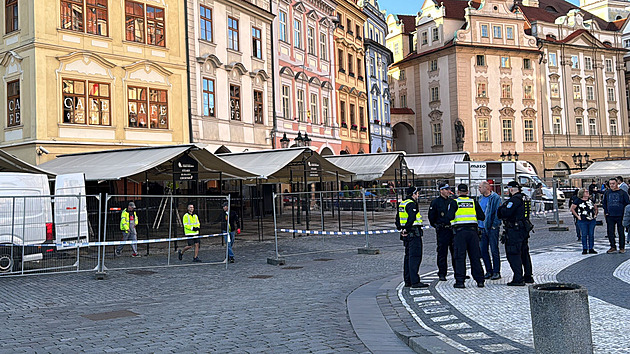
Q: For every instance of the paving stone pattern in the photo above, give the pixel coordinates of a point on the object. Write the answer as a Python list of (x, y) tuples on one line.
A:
[(204, 308)]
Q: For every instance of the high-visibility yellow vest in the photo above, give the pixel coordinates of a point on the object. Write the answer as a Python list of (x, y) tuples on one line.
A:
[(403, 216), (191, 221), (465, 214), (124, 220)]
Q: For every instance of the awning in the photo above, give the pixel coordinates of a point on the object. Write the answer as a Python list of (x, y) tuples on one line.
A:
[(604, 169), (10, 163), (281, 165), (139, 164), (370, 167), (436, 165)]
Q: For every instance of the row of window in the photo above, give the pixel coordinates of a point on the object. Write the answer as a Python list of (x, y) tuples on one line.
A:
[(143, 23), (497, 32), (577, 92), (302, 113), (575, 62), (348, 27), (209, 99), (506, 91), (352, 113), (298, 36), (507, 130), (350, 64), (579, 125), (435, 36), (504, 63)]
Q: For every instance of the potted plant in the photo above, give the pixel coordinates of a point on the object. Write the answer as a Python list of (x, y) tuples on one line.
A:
[(354, 127), (344, 125), (363, 129)]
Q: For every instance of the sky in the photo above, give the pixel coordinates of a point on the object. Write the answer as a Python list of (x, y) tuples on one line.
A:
[(411, 7)]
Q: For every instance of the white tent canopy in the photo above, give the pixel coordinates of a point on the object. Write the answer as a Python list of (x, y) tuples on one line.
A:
[(435, 165), (10, 163), (606, 169), (282, 164), (153, 163), (370, 167)]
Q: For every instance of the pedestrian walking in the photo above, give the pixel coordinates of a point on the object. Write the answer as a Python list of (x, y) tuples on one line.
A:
[(490, 202), (464, 219), (232, 230), (516, 224), (191, 228), (576, 199), (409, 223), (622, 185), (537, 197), (128, 223), (614, 203), (586, 213), (438, 219)]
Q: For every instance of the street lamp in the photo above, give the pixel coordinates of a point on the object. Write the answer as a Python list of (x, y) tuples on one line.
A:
[(307, 140), (299, 141), (502, 156), (284, 142), (508, 156), (515, 156), (581, 160)]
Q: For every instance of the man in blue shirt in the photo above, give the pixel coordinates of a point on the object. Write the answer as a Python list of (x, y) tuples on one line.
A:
[(490, 203), (614, 203)]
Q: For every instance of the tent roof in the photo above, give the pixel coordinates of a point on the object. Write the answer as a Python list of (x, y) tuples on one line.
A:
[(278, 164), (437, 165), (10, 163), (156, 162), (611, 168), (370, 167)]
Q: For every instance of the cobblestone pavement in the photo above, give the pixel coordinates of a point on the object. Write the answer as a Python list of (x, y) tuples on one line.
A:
[(497, 317), (251, 307)]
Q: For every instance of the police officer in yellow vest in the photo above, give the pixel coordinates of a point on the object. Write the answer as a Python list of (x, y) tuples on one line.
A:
[(409, 222), (464, 219), (191, 228)]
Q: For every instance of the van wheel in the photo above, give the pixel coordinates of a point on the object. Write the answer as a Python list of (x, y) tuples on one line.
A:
[(7, 263)]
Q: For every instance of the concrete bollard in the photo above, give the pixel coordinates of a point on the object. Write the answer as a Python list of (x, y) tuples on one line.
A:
[(560, 318)]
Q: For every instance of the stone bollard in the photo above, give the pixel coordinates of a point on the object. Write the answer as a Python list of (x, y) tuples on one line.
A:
[(560, 318)]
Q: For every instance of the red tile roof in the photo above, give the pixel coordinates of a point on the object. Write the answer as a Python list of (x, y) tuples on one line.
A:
[(405, 110), (409, 23), (456, 9), (545, 13)]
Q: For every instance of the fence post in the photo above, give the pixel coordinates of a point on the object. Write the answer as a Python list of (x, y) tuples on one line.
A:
[(79, 233), (227, 229), (98, 269), (100, 274), (367, 249), (277, 260), (321, 208), (170, 228), (23, 232)]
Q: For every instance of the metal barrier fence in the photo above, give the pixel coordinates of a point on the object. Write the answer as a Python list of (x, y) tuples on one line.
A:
[(160, 231), (46, 234)]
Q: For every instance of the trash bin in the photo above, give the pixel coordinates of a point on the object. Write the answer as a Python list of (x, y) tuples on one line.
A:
[(560, 318)]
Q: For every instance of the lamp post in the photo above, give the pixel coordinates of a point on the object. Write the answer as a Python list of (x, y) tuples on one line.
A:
[(307, 140), (508, 156), (284, 142), (581, 160), (299, 140)]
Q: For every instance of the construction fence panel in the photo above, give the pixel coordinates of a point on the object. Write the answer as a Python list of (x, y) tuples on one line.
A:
[(48, 234), (160, 231)]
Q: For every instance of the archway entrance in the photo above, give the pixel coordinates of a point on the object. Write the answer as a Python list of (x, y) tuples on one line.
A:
[(404, 138)]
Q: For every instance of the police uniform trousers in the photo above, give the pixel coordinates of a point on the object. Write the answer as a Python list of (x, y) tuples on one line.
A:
[(517, 254), (444, 244), (413, 256), (466, 240)]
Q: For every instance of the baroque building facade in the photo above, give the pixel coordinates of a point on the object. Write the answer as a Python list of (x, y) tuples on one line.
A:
[(377, 61), (350, 78), (84, 75), (469, 82), (230, 63), (305, 97), (583, 85)]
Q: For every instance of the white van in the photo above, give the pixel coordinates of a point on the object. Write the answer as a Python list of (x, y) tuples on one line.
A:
[(528, 179), (26, 216)]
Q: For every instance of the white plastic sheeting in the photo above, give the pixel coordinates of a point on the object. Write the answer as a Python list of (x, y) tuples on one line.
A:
[(437, 165), (370, 167), (599, 169)]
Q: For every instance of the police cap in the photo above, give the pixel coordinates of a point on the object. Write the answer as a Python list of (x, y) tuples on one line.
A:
[(462, 188), (514, 184)]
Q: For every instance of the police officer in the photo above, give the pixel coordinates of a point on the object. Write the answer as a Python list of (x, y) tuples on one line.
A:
[(464, 220), (438, 218), (516, 226), (409, 223)]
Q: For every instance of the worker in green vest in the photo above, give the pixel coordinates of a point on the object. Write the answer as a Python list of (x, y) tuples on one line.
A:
[(464, 221), (128, 223), (409, 223), (191, 228)]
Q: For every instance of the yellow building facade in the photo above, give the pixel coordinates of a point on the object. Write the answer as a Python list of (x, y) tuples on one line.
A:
[(87, 75)]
